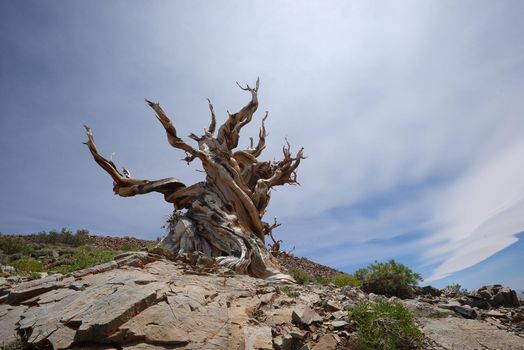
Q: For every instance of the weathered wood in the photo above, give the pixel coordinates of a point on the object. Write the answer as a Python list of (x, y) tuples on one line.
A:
[(222, 216)]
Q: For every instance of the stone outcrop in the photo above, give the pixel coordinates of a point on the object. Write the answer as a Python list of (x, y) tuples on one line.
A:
[(145, 301), (497, 295)]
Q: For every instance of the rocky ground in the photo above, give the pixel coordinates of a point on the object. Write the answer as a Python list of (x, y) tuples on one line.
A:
[(289, 261), (144, 301)]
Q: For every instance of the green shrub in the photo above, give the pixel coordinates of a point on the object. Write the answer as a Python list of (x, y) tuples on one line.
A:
[(439, 314), (18, 344), (65, 236), (28, 265), (301, 276), (455, 288), (129, 246), (343, 279), (288, 291), (34, 275), (385, 326), (14, 245), (389, 279), (324, 281), (86, 257), (81, 237), (339, 279)]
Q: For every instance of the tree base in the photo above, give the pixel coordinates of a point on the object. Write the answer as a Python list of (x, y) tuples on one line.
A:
[(246, 254)]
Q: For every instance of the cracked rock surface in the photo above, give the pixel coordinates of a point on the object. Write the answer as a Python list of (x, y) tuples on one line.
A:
[(143, 301)]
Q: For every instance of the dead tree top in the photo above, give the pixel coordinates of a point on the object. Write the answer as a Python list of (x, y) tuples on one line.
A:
[(236, 191)]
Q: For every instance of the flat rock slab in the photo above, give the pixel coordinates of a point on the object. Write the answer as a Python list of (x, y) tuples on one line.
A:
[(136, 302), (464, 334), (141, 301), (9, 316)]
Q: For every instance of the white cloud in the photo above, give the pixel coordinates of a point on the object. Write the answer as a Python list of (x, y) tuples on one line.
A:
[(480, 214)]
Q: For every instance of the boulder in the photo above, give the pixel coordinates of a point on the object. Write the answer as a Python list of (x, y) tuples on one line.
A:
[(466, 312), (498, 296), (428, 290), (506, 297), (475, 301)]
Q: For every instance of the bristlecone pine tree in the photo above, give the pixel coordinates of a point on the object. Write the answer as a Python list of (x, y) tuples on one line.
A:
[(221, 216)]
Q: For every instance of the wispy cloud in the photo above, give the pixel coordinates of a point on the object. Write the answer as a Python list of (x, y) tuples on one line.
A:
[(480, 214)]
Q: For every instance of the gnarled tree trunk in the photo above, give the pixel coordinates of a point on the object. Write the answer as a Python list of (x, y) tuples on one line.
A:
[(221, 216)]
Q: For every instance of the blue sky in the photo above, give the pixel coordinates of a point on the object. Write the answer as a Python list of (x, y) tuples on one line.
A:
[(410, 113)]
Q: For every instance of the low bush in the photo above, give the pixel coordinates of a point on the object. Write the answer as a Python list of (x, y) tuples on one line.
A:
[(288, 291), (389, 279), (385, 326), (86, 257), (14, 245), (129, 246), (27, 265), (339, 279), (301, 276), (455, 289), (344, 279), (439, 314), (65, 236)]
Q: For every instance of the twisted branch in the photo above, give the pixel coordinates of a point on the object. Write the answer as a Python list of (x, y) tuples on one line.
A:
[(125, 186)]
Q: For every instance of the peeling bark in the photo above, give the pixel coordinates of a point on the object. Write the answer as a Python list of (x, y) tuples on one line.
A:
[(221, 216)]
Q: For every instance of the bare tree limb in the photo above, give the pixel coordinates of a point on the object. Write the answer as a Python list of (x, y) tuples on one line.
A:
[(126, 186), (213, 124), (222, 215), (228, 133), (172, 136)]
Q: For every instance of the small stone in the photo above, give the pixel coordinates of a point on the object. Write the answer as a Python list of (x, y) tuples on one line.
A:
[(345, 334), (305, 315), (288, 342), (258, 337), (297, 334), (349, 306), (484, 294), (495, 313), (339, 324), (278, 342), (14, 279), (326, 342), (339, 314), (332, 306), (7, 269), (267, 298), (374, 297), (518, 317), (466, 312)]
